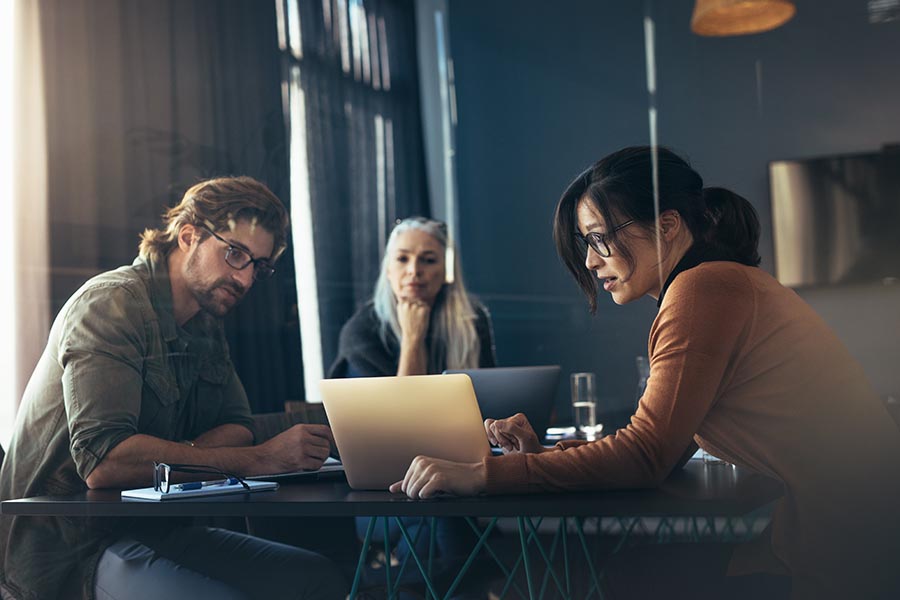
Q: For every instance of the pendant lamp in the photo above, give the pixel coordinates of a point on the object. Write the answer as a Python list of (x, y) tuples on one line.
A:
[(740, 17)]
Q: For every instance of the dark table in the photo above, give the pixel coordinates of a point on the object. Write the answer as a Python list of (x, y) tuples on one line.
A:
[(696, 490), (699, 490)]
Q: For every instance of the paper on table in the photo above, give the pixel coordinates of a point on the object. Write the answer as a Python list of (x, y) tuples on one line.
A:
[(208, 490), (330, 465)]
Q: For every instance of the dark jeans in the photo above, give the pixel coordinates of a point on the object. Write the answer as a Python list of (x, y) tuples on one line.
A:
[(202, 562), (453, 537), (688, 571)]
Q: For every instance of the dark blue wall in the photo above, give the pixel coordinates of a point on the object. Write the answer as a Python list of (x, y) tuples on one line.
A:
[(544, 89)]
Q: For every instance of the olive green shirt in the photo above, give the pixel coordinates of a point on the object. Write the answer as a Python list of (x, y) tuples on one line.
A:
[(116, 364)]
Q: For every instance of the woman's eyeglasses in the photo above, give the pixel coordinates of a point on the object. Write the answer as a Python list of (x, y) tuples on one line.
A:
[(598, 241), (162, 481)]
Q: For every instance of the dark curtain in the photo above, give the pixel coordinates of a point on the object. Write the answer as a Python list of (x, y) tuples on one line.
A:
[(143, 100), (355, 65)]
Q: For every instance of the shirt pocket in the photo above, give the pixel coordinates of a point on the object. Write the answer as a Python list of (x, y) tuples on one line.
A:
[(214, 374), (161, 384), (160, 401), (206, 411)]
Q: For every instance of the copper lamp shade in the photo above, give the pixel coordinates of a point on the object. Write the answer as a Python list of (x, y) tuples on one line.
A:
[(740, 17)]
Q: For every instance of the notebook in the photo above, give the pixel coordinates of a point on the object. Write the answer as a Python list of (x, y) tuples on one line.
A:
[(503, 392), (209, 489), (381, 423), (330, 468)]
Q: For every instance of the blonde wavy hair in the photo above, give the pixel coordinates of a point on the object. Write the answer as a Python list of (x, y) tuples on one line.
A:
[(454, 339), (218, 204)]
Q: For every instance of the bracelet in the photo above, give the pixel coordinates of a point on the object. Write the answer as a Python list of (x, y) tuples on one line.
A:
[(189, 443)]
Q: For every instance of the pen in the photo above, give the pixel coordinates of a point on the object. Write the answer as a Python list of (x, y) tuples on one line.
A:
[(196, 485)]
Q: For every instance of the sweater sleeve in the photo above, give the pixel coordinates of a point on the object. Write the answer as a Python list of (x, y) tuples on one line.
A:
[(703, 320)]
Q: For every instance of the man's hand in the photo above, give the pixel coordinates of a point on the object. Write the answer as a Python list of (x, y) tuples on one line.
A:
[(513, 434), (130, 463), (300, 447), (428, 477)]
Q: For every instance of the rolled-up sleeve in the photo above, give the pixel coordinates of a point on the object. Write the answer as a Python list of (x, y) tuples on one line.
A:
[(101, 350)]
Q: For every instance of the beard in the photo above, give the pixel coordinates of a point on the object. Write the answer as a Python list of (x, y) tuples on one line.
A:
[(216, 298)]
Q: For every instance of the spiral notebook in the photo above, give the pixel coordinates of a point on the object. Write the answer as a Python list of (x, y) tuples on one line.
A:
[(208, 488)]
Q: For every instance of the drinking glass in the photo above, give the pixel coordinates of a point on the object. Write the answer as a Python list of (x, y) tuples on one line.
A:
[(709, 459), (584, 405)]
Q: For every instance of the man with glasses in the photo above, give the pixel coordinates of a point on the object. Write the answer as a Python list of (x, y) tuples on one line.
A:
[(136, 372)]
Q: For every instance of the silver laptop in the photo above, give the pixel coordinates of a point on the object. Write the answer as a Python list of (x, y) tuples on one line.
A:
[(503, 392), (381, 423)]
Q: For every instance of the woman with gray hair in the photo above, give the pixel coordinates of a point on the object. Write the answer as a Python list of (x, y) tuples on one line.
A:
[(421, 319)]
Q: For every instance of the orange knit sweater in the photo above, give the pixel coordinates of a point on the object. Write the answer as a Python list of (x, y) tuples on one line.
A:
[(745, 368)]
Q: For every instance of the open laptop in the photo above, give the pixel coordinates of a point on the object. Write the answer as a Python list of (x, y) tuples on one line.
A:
[(381, 423), (503, 392)]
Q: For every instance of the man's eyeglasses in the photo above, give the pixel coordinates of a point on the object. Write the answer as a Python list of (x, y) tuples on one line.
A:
[(598, 241), (240, 259), (162, 481)]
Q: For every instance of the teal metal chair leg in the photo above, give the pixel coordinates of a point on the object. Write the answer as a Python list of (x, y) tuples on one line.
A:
[(546, 579), (547, 560), (587, 557), (500, 564), (432, 539), (403, 564), (362, 557), (387, 559), (565, 543), (510, 578), (626, 533), (415, 555), (522, 534), (465, 568)]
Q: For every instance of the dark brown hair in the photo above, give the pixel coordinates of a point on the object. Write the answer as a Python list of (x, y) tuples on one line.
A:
[(218, 204), (620, 187)]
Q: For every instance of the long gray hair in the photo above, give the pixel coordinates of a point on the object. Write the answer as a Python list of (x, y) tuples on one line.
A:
[(454, 340)]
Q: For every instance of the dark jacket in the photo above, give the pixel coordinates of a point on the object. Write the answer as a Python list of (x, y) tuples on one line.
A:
[(363, 353)]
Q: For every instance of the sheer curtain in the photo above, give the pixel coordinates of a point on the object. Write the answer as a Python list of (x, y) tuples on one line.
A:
[(143, 100), (25, 234), (356, 139)]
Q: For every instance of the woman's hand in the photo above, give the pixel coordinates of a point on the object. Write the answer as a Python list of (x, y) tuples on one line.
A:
[(413, 316), (427, 477), (513, 434)]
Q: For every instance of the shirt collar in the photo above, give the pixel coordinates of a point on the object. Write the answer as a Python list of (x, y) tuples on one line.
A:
[(697, 254), (161, 295)]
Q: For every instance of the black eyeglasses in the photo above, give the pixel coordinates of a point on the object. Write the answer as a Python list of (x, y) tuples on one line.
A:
[(162, 480), (598, 241), (240, 259)]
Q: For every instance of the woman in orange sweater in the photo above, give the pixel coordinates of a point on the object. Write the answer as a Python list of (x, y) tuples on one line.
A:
[(740, 366)]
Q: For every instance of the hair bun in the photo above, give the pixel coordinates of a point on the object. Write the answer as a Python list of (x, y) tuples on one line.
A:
[(732, 225)]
